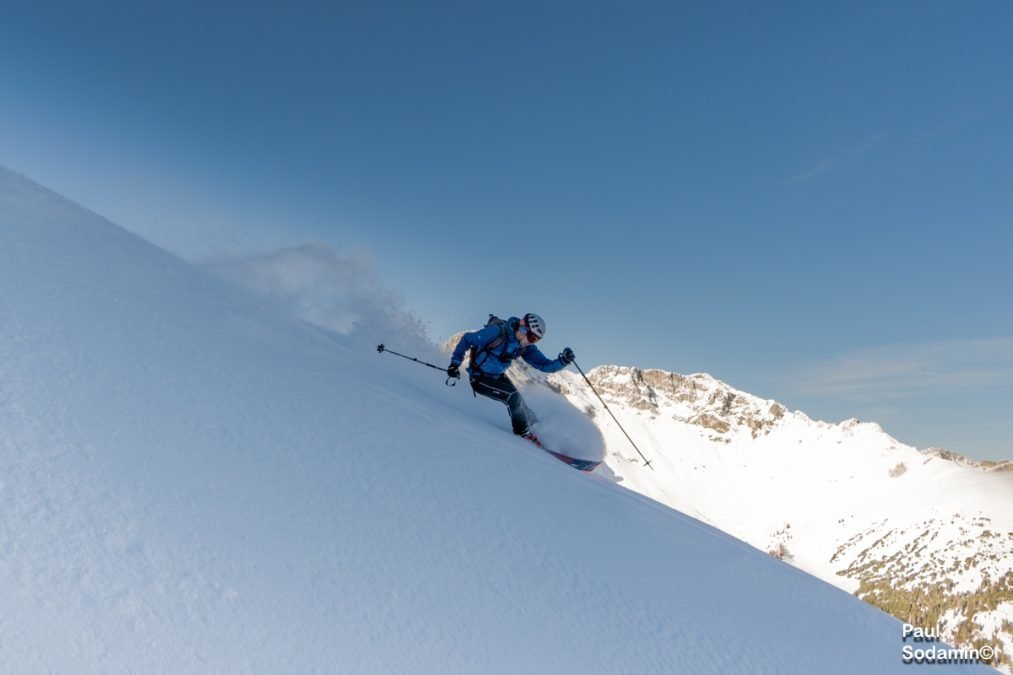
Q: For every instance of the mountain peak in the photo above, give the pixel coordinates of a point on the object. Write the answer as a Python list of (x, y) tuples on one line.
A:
[(698, 399)]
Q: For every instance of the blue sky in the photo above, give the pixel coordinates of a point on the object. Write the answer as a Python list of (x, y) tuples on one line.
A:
[(811, 201)]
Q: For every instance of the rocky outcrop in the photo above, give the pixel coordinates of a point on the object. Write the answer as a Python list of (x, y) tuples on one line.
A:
[(957, 458), (697, 399)]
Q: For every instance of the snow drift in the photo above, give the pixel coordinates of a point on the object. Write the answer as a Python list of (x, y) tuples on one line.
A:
[(192, 481)]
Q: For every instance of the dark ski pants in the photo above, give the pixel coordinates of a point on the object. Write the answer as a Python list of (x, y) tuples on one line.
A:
[(500, 388)]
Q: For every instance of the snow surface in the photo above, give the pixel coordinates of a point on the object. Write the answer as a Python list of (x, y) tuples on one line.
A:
[(834, 498), (193, 481)]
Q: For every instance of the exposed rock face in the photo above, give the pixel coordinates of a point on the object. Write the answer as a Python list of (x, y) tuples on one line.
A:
[(957, 458), (698, 399)]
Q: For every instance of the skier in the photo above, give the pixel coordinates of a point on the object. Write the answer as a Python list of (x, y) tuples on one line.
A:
[(493, 348)]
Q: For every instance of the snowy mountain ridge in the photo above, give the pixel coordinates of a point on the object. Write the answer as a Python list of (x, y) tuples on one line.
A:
[(697, 399), (927, 536), (716, 405)]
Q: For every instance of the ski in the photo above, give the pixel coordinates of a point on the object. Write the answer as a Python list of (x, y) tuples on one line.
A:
[(585, 465)]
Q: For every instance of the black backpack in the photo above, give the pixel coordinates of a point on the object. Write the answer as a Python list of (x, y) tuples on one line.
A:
[(504, 327)]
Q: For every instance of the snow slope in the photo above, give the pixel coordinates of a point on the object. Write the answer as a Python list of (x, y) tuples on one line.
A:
[(914, 532), (192, 481)]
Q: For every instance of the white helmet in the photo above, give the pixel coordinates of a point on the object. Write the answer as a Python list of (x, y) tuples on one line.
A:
[(534, 325)]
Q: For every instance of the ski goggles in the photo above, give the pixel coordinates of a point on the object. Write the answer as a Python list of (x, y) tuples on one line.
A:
[(532, 338)]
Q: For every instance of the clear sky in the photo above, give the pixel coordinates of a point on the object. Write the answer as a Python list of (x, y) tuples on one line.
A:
[(812, 201)]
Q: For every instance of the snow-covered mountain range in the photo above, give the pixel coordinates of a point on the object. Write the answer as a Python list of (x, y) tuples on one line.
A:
[(926, 536), (194, 480)]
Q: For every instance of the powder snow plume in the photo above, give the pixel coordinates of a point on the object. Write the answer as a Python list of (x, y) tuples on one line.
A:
[(561, 425), (342, 294), (339, 293)]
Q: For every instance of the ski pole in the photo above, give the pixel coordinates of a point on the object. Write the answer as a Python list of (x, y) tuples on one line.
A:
[(451, 381), (646, 462)]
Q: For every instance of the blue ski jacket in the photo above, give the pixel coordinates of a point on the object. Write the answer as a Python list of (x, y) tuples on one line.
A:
[(496, 360)]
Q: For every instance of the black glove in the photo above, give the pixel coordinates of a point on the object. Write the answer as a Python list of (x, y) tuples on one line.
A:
[(454, 370), (566, 356)]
